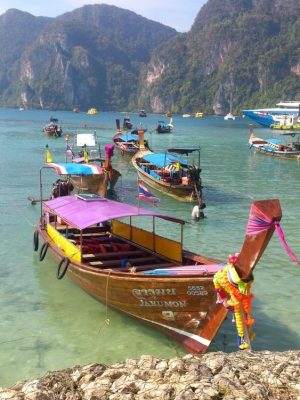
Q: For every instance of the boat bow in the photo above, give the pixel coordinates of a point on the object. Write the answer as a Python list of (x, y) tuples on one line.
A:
[(261, 225)]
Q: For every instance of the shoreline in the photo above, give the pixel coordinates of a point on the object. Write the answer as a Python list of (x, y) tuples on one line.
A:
[(244, 375)]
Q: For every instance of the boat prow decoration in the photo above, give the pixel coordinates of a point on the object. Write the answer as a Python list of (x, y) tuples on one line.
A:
[(261, 225)]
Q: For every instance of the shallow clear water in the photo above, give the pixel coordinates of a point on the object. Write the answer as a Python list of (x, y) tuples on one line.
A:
[(48, 324)]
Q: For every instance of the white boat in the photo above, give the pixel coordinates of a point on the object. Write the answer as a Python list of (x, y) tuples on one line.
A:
[(229, 116), (268, 116), (186, 115)]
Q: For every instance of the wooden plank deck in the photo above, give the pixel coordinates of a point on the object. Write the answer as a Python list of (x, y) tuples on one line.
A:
[(112, 254), (111, 263)]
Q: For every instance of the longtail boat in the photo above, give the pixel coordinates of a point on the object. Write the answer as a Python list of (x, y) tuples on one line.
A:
[(150, 277), (83, 177), (276, 147), (163, 127), (101, 175), (169, 172), (127, 143), (127, 124), (52, 128)]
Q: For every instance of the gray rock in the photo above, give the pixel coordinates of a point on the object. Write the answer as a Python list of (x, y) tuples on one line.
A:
[(243, 375)]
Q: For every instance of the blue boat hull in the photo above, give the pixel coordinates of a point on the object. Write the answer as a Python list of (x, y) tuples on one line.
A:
[(263, 119)]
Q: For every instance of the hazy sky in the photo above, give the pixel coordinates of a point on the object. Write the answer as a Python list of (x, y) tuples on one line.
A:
[(178, 14)]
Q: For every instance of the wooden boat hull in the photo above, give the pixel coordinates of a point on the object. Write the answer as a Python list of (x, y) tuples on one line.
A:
[(96, 184), (52, 132), (164, 286), (125, 150), (184, 193), (184, 309), (179, 192), (276, 153), (169, 300), (158, 130), (270, 148)]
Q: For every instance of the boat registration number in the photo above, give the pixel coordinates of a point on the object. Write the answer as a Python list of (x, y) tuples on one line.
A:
[(197, 291)]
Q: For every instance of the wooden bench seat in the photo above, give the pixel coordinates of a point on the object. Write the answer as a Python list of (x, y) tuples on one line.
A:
[(111, 263), (112, 254)]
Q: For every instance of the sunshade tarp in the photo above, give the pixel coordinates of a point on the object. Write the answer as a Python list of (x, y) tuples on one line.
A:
[(128, 137), (76, 169), (81, 214), (162, 159), (275, 140)]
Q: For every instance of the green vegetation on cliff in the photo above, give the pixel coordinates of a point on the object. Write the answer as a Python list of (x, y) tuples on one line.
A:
[(238, 54)]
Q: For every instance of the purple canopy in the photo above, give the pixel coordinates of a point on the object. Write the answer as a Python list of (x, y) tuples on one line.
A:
[(81, 213)]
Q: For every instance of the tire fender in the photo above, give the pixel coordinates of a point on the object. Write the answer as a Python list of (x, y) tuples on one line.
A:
[(62, 268), (36, 241), (43, 250)]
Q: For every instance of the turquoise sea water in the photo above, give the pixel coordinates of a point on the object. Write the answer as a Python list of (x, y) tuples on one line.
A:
[(48, 324)]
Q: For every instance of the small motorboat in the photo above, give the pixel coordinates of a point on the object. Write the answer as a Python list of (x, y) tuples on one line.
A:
[(52, 128), (127, 143), (162, 127), (229, 116), (142, 113), (127, 124)]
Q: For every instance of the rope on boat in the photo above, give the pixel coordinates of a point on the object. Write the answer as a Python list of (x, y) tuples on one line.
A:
[(107, 319)]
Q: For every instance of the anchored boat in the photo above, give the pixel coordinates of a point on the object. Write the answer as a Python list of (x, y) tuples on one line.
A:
[(163, 127), (170, 172), (52, 128), (127, 143), (268, 116), (98, 244), (277, 147)]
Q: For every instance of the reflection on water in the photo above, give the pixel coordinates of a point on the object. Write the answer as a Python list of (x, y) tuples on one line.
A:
[(51, 324)]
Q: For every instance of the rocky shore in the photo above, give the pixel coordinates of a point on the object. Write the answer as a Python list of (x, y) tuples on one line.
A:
[(245, 375)]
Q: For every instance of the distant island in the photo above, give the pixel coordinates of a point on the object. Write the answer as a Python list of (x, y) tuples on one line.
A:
[(238, 54)]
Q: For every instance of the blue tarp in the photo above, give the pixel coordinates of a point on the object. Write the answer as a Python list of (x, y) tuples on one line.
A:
[(162, 159), (128, 137), (275, 140), (76, 169)]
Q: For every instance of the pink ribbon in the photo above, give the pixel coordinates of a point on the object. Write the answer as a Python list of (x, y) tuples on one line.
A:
[(260, 222)]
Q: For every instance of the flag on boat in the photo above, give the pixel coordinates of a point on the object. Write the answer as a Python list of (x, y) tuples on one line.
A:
[(48, 155), (85, 155), (145, 194)]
